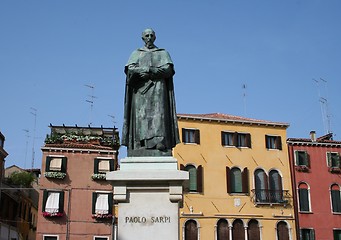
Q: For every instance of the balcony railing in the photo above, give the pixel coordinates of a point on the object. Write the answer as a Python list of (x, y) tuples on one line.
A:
[(266, 196)]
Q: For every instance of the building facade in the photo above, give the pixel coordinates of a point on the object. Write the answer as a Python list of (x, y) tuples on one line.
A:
[(315, 166), (240, 185), (75, 200)]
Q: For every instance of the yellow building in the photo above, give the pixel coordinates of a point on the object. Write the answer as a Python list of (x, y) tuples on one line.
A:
[(240, 184)]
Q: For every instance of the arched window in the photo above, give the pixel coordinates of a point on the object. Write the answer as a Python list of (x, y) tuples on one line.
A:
[(238, 232), (335, 198), (275, 186), (253, 232), (282, 231), (191, 230), (261, 185), (222, 230), (195, 177), (304, 197)]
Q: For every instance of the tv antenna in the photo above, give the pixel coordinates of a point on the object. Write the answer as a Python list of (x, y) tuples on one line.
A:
[(112, 118), (27, 137), (34, 113), (324, 104), (244, 97), (91, 101)]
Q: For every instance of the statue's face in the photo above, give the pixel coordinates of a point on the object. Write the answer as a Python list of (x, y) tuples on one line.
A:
[(149, 38)]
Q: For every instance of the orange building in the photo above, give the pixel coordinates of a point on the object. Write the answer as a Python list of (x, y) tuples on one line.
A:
[(239, 178), (75, 201)]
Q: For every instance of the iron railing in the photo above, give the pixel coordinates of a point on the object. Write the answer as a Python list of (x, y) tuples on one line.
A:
[(266, 196)]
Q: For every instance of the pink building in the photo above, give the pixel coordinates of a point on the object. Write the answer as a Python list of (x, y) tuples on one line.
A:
[(75, 200), (315, 166)]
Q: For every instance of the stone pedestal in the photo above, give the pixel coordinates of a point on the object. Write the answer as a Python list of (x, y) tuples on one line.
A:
[(148, 191)]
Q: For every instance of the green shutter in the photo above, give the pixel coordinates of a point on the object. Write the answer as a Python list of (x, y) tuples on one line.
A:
[(47, 166), (96, 161), (111, 203), (94, 199), (64, 163), (197, 136), (223, 141), (200, 178), (248, 140), (236, 180), (61, 202), (279, 143), (228, 180), (297, 158), (45, 195), (303, 199), (245, 180), (192, 178), (235, 139), (183, 130), (329, 159)]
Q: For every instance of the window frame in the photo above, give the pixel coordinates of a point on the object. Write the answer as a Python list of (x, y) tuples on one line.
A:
[(337, 202), (329, 157), (187, 138), (308, 198), (110, 201), (199, 178), (336, 230), (60, 203), (311, 233), (63, 164), (276, 144), (244, 181), (235, 139), (305, 156), (48, 235), (111, 165)]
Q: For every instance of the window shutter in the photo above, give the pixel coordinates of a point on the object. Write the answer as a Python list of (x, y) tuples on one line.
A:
[(199, 178), (248, 140), (96, 161), (267, 142), (245, 180), (228, 180), (312, 234), (94, 199), (45, 195), (197, 136), (47, 166), (303, 199), (338, 161), (235, 139), (182, 167), (61, 202), (329, 159), (223, 143), (112, 164), (307, 159), (336, 201), (183, 130), (279, 143), (297, 161), (111, 203), (64, 162)]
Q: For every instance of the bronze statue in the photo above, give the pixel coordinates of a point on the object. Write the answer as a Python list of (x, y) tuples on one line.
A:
[(150, 125)]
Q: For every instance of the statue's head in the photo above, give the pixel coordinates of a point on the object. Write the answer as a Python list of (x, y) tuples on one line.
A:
[(148, 36)]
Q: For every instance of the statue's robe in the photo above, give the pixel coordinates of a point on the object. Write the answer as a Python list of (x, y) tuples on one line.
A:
[(149, 110)]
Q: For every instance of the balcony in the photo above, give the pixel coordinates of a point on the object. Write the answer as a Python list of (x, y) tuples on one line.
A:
[(270, 197)]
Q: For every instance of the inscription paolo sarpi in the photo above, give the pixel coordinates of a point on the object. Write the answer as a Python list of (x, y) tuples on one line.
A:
[(161, 219)]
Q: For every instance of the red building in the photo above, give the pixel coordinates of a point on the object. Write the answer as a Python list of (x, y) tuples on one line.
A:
[(315, 167), (75, 200)]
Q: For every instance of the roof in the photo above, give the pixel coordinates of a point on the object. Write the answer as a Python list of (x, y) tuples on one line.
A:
[(220, 117), (323, 140)]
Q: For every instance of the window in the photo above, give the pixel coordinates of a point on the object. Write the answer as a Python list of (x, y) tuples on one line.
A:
[(301, 158), (237, 180), (261, 185), (238, 231), (102, 203), (190, 136), (103, 165), (101, 238), (282, 231), (336, 198), (303, 197), (222, 229), (275, 187), (46, 237), (333, 159), (307, 234), (55, 164), (195, 177), (53, 203), (273, 142), (236, 139), (337, 234), (191, 230), (253, 230)]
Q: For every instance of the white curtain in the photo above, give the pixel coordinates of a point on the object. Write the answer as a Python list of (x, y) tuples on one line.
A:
[(102, 204), (103, 166), (52, 203), (56, 164)]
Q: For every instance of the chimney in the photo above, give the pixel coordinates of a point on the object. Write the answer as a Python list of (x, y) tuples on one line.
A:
[(313, 136)]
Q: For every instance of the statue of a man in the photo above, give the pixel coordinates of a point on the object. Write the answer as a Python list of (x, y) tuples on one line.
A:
[(150, 125)]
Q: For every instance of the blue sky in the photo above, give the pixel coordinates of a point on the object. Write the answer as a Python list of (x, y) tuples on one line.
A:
[(49, 51)]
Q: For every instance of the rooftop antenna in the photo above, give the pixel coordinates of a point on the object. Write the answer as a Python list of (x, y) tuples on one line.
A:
[(244, 97), (27, 137), (34, 113), (326, 116), (91, 101)]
